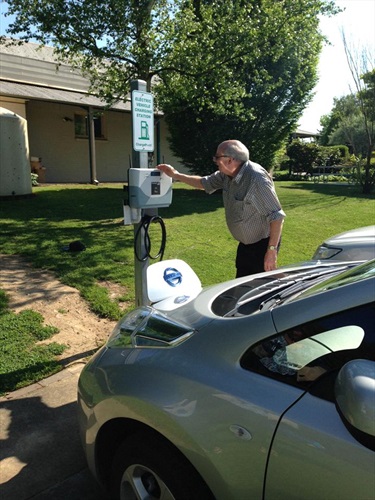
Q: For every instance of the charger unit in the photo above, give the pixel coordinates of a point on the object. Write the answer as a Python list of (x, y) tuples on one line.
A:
[(149, 187)]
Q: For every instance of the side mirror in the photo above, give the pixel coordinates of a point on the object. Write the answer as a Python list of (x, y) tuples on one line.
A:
[(355, 394)]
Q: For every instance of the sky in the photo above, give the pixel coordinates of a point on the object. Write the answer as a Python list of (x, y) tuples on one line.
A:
[(335, 80), (357, 21)]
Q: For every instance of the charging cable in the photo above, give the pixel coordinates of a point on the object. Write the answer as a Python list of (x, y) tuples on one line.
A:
[(145, 223)]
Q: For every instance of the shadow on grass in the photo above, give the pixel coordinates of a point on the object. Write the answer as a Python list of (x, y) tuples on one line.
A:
[(192, 201), (101, 205), (17, 379), (331, 189), (40, 227)]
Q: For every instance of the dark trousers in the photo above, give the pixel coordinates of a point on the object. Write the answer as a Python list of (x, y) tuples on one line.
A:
[(250, 258)]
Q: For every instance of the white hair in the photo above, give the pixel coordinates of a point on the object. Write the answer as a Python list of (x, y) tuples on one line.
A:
[(235, 149)]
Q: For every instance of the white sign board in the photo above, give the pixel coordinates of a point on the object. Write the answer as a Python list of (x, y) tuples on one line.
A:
[(143, 121)]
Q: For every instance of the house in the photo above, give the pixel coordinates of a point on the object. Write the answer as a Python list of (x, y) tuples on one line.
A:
[(305, 135), (60, 115)]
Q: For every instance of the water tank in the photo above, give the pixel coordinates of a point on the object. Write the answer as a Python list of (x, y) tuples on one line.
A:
[(15, 172)]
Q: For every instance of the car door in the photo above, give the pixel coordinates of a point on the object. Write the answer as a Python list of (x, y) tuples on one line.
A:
[(314, 456), (314, 453)]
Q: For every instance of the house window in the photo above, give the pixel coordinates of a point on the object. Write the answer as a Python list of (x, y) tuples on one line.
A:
[(81, 126)]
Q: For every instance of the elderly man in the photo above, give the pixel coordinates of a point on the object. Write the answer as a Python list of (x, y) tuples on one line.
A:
[(253, 212)]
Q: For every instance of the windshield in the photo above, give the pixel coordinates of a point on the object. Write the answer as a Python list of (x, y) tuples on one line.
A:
[(358, 273), (268, 291)]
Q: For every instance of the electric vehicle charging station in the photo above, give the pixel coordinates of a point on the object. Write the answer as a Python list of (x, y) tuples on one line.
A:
[(148, 188), (170, 283)]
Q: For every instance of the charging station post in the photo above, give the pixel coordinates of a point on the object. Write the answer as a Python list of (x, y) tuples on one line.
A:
[(148, 188), (140, 152)]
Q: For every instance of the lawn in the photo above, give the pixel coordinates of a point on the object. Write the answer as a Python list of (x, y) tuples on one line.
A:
[(39, 227)]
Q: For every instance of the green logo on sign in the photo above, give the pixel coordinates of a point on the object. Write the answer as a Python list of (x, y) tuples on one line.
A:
[(144, 131)]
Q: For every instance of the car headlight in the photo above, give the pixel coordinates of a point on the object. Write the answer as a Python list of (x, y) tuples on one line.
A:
[(146, 327), (324, 252)]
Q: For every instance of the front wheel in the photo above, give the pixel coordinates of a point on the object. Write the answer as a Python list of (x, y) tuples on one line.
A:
[(146, 467)]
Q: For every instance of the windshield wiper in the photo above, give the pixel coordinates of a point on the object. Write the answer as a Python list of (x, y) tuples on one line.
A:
[(275, 291), (276, 299), (302, 284)]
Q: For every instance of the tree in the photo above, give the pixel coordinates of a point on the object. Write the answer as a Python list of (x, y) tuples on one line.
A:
[(361, 66), (112, 42), (329, 123), (351, 131), (344, 125), (226, 68), (367, 94), (262, 72)]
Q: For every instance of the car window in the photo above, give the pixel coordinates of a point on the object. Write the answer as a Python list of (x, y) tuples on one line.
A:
[(303, 354)]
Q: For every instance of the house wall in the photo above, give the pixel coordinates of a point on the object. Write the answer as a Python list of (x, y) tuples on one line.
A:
[(52, 139), (16, 106), (66, 158)]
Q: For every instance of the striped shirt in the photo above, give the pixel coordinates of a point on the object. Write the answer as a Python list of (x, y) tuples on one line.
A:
[(250, 201)]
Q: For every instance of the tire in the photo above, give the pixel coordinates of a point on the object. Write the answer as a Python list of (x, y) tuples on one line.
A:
[(148, 467)]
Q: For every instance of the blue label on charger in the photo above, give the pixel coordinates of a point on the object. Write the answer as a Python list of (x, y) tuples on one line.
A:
[(172, 277)]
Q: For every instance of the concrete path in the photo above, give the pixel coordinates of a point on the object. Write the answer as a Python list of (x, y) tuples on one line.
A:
[(41, 456)]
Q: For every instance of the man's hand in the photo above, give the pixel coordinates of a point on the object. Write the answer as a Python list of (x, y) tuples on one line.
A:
[(191, 180), (270, 260), (168, 170), (309, 373)]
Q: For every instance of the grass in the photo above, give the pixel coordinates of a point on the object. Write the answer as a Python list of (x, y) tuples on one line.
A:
[(23, 360), (39, 227)]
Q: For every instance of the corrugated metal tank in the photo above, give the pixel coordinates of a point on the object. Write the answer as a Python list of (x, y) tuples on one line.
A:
[(15, 172)]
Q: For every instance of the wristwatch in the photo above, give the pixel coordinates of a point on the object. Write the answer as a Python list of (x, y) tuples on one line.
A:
[(272, 247)]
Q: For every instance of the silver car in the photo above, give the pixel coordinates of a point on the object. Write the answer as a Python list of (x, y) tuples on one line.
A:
[(357, 244), (258, 388)]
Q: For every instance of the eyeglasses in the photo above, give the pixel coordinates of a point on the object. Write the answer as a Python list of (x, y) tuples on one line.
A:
[(220, 156)]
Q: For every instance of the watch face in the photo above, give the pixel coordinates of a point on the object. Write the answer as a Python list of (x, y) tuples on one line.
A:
[(271, 247)]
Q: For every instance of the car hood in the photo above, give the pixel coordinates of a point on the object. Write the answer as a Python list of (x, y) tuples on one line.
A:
[(243, 296), (352, 237)]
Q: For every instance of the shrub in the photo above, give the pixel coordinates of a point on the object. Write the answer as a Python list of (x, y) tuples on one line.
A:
[(332, 155), (304, 156)]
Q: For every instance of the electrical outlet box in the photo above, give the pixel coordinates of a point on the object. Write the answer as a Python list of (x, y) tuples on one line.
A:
[(132, 215), (149, 187)]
